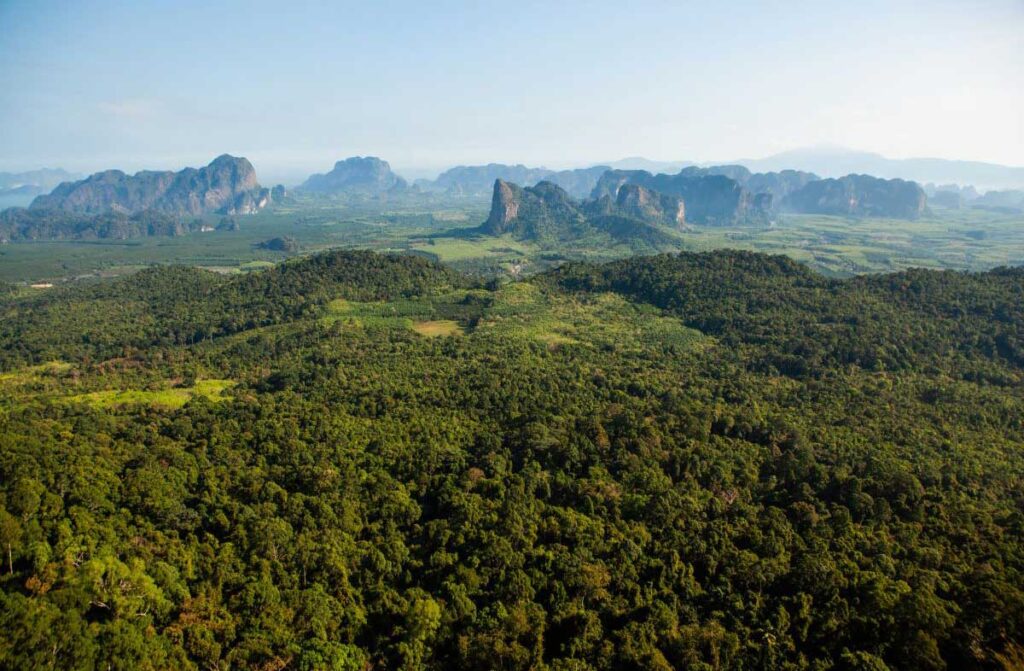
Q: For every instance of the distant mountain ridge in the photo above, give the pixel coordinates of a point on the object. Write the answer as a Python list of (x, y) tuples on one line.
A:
[(469, 180), (832, 162), (478, 180), (19, 188), (357, 175), (44, 178), (228, 185)]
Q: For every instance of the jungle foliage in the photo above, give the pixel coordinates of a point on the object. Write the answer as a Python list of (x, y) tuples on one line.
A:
[(353, 461)]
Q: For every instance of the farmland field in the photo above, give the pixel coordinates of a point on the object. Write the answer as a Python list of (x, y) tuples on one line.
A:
[(837, 246)]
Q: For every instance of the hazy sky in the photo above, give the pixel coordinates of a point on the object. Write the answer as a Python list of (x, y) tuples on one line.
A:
[(294, 86)]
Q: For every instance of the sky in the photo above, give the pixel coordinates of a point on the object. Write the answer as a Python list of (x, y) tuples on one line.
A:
[(295, 86)]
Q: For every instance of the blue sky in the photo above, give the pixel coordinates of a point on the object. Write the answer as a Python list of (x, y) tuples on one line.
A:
[(294, 86)]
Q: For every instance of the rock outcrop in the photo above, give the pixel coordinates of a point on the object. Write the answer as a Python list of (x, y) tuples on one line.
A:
[(731, 194), (228, 185), (358, 175), (534, 212), (638, 202), (778, 184), (709, 199), (546, 212), (860, 196)]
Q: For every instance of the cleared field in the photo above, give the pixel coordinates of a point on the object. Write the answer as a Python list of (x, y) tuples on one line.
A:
[(523, 311), (46, 374), (455, 249), (439, 327), (170, 398), (605, 321)]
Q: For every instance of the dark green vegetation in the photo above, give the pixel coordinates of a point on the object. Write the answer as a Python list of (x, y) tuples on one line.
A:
[(20, 224), (711, 461)]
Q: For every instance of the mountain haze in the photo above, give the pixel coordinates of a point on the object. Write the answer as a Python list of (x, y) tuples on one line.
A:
[(838, 162), (358, 175), (478, 180)]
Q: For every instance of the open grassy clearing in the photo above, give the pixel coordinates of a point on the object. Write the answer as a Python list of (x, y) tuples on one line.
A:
[(169, 398), (605, 321), (44, 375), (133, 385), (449, 250), (438, 327)]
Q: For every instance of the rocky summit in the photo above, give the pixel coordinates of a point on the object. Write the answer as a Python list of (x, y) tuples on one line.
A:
[(228, 185), (358, 175)]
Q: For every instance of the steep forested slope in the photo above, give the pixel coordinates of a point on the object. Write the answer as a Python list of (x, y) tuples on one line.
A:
[(714, 461)]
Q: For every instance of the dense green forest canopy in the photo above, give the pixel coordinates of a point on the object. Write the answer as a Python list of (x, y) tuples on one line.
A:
[(352, 461)]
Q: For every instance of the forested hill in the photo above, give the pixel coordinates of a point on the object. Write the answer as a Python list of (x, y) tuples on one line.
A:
[(354, 461), (801, 322), (177, 305)]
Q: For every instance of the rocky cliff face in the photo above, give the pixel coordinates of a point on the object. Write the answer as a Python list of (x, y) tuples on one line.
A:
[(776, 184), (358, 175), (861, 196), (638, 202), (546, 212), (228, 185), (709, 199), (535, 212), (504, 207)]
